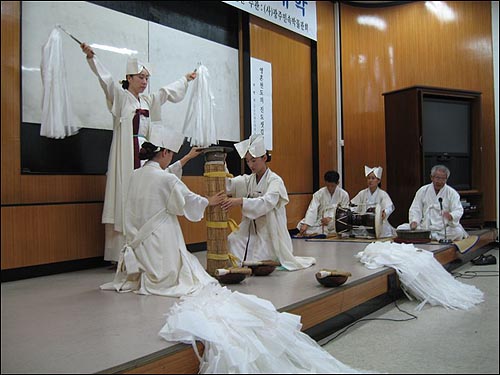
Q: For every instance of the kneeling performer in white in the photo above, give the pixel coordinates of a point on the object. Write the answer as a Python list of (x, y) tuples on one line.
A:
[(155, 259)]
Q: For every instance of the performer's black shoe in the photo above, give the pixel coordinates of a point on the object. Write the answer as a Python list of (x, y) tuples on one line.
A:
[(483, 260)]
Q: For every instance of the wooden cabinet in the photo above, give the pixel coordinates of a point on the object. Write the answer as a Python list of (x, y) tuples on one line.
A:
[(425, 126), (472, 202)]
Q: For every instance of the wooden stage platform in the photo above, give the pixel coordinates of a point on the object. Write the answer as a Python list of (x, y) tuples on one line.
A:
[(65, 324)]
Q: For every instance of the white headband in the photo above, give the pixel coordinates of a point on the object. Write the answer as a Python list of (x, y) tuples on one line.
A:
[(377, 171), (253, 145)]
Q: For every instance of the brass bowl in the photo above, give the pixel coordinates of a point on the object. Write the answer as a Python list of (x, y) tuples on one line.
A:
[(262, 270), (231, 278), (332, 281)]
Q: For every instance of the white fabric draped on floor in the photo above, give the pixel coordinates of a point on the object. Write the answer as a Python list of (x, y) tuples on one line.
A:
[(245, 334)]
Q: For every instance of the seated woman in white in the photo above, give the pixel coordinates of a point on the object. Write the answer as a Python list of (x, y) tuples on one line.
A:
[(372, 196), (155, 259), (263, 233), (320, 215)]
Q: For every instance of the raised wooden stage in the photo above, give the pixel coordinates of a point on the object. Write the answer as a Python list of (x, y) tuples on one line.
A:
[(65, 324)]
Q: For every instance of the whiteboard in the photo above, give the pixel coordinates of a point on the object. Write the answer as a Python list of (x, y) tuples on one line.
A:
[(171, 54)]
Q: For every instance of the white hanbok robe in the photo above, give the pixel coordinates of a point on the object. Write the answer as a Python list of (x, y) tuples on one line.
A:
[(263, 229), (426, 211), (155, 259), (323, 204), (365, 199), (122, 104)]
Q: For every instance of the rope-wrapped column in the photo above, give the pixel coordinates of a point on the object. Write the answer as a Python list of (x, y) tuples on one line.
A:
[(216, 217)]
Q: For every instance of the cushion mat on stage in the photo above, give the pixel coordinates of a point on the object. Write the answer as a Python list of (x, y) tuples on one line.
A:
[(349, 239), (462, 246), (466, 244)]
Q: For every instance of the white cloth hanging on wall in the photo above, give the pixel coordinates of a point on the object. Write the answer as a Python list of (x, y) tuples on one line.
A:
[(58, 119), (421, 275), (199, 124)]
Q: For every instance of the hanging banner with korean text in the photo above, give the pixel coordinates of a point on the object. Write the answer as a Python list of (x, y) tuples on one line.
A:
[(262, 100), (297, 16)]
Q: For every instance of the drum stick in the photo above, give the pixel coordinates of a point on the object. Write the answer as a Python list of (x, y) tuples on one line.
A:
[(322, 222), (225, 271)]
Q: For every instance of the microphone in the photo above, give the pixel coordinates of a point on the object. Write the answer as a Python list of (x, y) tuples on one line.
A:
[(445, 240)]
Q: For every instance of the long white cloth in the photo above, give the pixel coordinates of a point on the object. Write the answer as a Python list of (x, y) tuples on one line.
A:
[(123, 104), (58, 119), (199, 124), (155, 259), (323, 205), (263, 232), (244, 334), (365, 199), (426, 211), (421, 275)]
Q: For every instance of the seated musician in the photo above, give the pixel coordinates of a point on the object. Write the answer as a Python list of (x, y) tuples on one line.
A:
[(320, 215), (436, 206), (367, 199)]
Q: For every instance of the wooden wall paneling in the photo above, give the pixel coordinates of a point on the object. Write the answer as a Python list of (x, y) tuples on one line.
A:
[(413, 48), (296, 209), (11, 86), (290, 56), (327, 97), (43, 234)]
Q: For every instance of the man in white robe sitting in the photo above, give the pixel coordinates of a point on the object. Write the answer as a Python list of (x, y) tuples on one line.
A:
[(436, 207), (320, 215)]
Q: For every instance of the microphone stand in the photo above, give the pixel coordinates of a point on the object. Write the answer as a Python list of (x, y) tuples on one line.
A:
[(444, 240)]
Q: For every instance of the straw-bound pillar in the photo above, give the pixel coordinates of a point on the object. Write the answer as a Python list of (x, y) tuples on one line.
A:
[(216, 218)]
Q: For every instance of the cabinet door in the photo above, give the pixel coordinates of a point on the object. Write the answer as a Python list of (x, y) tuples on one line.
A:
[(404, 158)]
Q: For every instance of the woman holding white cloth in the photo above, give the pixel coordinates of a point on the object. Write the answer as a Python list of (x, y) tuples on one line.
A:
[(155, 259), (133, 113)]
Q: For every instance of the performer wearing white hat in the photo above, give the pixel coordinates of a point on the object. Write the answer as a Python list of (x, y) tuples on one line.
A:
[(437, 206), (262, 195), (373, 195), (133, 112), (154, 259)]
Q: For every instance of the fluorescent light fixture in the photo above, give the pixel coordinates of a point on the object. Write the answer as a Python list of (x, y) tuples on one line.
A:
[(441, 10), (123, 51), (25, 68), (372, 21)]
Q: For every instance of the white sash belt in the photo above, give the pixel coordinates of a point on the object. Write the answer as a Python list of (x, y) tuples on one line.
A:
[(128, 254)]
